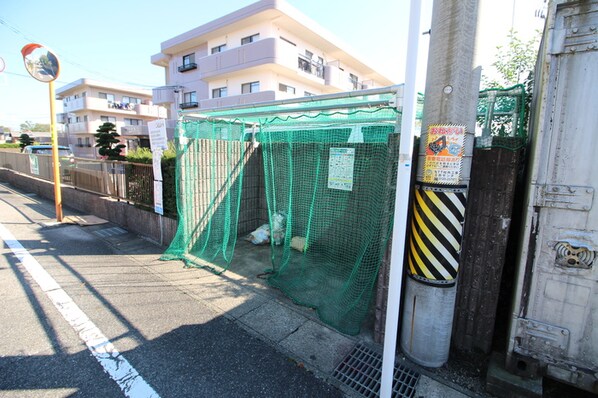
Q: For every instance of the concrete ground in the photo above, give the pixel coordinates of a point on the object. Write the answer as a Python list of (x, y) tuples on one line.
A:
[(243, 296)]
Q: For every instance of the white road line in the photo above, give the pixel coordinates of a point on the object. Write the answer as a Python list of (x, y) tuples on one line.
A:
[(117, 367)]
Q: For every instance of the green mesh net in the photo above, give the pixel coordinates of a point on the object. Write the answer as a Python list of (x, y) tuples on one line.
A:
[(210, 166), (500, 118), (327, 176)]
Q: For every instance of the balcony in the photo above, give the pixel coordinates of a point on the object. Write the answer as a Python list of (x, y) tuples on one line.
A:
[(341, 80), (79, 128), (127, 131), (309, 66), (187, 105), (187, 67), (238, 99)]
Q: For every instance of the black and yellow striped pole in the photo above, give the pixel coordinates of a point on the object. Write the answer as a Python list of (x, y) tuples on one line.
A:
[(444, 165), (436, 233)]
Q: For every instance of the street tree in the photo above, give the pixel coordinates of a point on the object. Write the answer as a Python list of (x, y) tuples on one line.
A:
[(108, 143), (34, 127)]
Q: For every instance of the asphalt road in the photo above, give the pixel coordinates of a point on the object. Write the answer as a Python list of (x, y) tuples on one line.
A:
[(102, 325)]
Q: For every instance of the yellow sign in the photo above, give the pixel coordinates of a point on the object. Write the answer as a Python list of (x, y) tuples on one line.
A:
[(445, 145)]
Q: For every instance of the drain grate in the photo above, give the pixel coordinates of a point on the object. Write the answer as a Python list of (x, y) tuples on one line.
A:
[(362, 368), (106, 232)]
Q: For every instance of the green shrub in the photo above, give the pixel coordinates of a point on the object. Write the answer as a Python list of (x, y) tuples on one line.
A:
[(13, 145)]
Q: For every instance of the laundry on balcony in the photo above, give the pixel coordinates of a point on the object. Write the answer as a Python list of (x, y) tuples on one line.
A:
[(122, 105)]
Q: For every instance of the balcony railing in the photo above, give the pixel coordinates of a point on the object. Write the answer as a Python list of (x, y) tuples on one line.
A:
[(187, 67), (307, 65), (186, 105)]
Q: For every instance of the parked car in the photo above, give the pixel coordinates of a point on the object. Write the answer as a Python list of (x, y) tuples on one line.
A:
[(65, 156), (63, 151)]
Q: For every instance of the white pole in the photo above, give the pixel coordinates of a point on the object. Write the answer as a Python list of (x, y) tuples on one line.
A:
[(401, 202)]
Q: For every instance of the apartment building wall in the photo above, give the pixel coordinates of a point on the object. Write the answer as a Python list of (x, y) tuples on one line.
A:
[(290, 58), (88, 104)]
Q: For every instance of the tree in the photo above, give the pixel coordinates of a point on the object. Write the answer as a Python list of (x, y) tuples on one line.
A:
[(25, 140), (515, 62), (34, 127), (108, 142)]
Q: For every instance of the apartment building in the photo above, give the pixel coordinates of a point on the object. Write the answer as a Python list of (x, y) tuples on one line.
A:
[(265, 51), (88, 104)]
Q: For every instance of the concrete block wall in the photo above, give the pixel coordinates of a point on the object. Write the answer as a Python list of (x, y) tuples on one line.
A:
[(143, 222)]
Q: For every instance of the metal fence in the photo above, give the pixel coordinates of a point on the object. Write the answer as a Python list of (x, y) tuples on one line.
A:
[(131, 182)]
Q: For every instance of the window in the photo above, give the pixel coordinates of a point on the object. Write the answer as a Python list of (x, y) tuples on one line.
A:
[(77, 119), (85, 118), (131, 100), (110, 119), (79, 141), (83, 94), (87, 141), (218, 49), (190, 96), (219, 92), (308, 54), (252, 87), (188, 63), (354, 81), (250, 39), (106, 96), (320, 61), (188, 59), (190, 100), (132, 122), (286, 89), (308, 94)]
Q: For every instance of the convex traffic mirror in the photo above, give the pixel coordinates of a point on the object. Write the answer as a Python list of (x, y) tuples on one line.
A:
[(40, 62)]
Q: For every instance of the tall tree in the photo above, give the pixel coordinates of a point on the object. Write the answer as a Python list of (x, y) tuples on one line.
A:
[(108, 143)]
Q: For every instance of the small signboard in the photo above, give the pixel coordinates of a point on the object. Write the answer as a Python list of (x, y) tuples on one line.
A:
[(444, 154), (33, 164), (158, 205), (157, 134), (340, 168)]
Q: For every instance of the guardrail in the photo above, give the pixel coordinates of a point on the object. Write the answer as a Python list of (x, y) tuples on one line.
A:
[(131, 182)]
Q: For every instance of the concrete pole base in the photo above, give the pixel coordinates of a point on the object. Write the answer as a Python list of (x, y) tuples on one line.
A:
[(427, 322)]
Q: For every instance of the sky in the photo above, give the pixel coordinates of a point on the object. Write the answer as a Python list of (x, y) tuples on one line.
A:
[(113, 40)]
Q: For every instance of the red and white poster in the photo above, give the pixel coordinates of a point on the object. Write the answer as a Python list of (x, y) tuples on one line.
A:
[(444, 154)]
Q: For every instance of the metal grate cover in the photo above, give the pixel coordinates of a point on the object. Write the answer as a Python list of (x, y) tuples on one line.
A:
[(104, 233), (362, 369)]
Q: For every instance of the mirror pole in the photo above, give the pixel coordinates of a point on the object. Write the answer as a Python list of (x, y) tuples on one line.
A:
[(55, 158)]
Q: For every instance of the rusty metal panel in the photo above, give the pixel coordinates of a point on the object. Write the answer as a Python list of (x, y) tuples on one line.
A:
[(556, 302)]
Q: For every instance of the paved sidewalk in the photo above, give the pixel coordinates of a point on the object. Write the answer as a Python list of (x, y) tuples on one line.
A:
[(269, 315), (246, 299)]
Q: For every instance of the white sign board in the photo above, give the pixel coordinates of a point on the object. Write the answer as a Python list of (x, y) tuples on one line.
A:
[(157, 134), (33, 164), (157, 164), (340, 168), (158, 205)]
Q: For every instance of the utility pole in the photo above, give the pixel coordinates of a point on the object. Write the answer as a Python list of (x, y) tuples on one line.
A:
[(444, 164)]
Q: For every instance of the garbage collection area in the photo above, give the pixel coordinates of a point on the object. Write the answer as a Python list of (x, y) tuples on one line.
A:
[(300, 193)]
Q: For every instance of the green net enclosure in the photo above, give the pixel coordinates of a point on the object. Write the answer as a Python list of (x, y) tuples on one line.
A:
[(501, 118), (329, 188), (211, 158), (327, 170)]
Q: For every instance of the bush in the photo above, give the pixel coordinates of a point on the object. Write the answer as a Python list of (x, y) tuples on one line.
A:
[(144, 155), (13, 145)]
